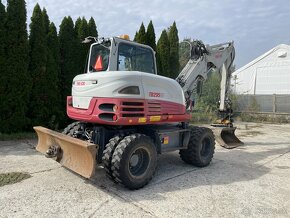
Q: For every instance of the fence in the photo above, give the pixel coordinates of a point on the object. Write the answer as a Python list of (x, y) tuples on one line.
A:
[(276, 104)]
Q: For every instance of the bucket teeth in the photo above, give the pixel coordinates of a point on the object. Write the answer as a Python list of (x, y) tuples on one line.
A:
[(74, 154)]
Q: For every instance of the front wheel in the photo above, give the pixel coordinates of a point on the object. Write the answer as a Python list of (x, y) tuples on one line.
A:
[(200, 148), (72, 129), (134, 161)]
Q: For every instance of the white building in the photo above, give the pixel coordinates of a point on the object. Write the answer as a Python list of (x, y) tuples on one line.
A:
[(266, 75)]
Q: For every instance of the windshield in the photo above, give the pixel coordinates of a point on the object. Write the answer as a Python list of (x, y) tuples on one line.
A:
[(99, 59)]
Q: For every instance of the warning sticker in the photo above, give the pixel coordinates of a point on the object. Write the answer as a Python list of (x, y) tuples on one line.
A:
[(166, 140)]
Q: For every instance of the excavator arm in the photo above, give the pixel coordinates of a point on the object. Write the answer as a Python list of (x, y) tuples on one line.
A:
[(203, 59)]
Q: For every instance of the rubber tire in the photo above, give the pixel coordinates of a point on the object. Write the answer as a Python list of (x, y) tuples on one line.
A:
[(192, 155), (121, 158), (108, 155), (70, 129)]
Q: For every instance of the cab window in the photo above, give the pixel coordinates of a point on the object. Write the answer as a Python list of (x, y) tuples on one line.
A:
[(135, 58), (99, 59)]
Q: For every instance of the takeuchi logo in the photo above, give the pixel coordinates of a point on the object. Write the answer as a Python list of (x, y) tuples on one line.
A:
[(80, 83)]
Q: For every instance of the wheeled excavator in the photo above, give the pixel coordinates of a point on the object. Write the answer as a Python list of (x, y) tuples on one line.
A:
[(126, 114)]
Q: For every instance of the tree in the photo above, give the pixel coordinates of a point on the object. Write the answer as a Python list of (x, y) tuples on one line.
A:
[(150, 36), (92, 28), (39, 100), (82, 31), (15, 79), (68, 56), (78, 24), (163, 57), (174, 50), (2, 62), (141, 36), (2, 39), (56, 113), (46, 21), (136, 37), (209, 97)]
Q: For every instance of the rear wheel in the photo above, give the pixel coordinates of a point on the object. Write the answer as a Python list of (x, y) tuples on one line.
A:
[(134, 161), (200, 147), (108, 154)]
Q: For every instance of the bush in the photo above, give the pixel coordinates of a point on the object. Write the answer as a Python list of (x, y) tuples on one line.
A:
[(203, 117)]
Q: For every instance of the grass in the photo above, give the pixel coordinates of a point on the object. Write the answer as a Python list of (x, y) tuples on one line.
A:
[(262, 118), (11, 178), (203, 118), (210, 117), (17, 136)]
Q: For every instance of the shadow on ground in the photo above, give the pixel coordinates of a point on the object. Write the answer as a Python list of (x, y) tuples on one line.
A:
[(228, 167)]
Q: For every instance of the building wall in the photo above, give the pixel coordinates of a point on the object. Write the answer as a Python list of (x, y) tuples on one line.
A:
[(263, 103), (268, 74)]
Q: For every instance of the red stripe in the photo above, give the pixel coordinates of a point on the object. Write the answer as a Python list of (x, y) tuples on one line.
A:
[(130, 111)]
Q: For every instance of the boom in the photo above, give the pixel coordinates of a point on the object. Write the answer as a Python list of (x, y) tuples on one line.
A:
[(202, 60)]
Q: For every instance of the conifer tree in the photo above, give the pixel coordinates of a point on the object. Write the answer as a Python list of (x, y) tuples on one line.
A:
[(78, 24), (174, 50), (46, 21), (16, 81), (2, 59), (163, 49), (82, 31), (92, 28), (150, 36), (2, 40), (136, 37), (57, 113), (38, 110), (141, 36), (68, 55)]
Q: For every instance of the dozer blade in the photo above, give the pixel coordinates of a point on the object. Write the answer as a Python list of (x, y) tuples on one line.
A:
[(226, 137), (74, 154)]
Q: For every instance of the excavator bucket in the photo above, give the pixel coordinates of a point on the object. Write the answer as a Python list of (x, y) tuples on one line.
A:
[(74, 154), (226, 137)]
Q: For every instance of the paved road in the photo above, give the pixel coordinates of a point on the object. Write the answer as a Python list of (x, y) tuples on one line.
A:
[(253, 180)]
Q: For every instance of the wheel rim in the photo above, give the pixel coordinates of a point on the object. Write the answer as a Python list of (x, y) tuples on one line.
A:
[(205, 147), (139, 162)]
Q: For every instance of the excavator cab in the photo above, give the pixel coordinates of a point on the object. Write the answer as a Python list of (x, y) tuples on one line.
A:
[(119, 54)]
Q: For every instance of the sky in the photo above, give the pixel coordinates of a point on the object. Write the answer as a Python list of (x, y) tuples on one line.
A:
[(255, 26)]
